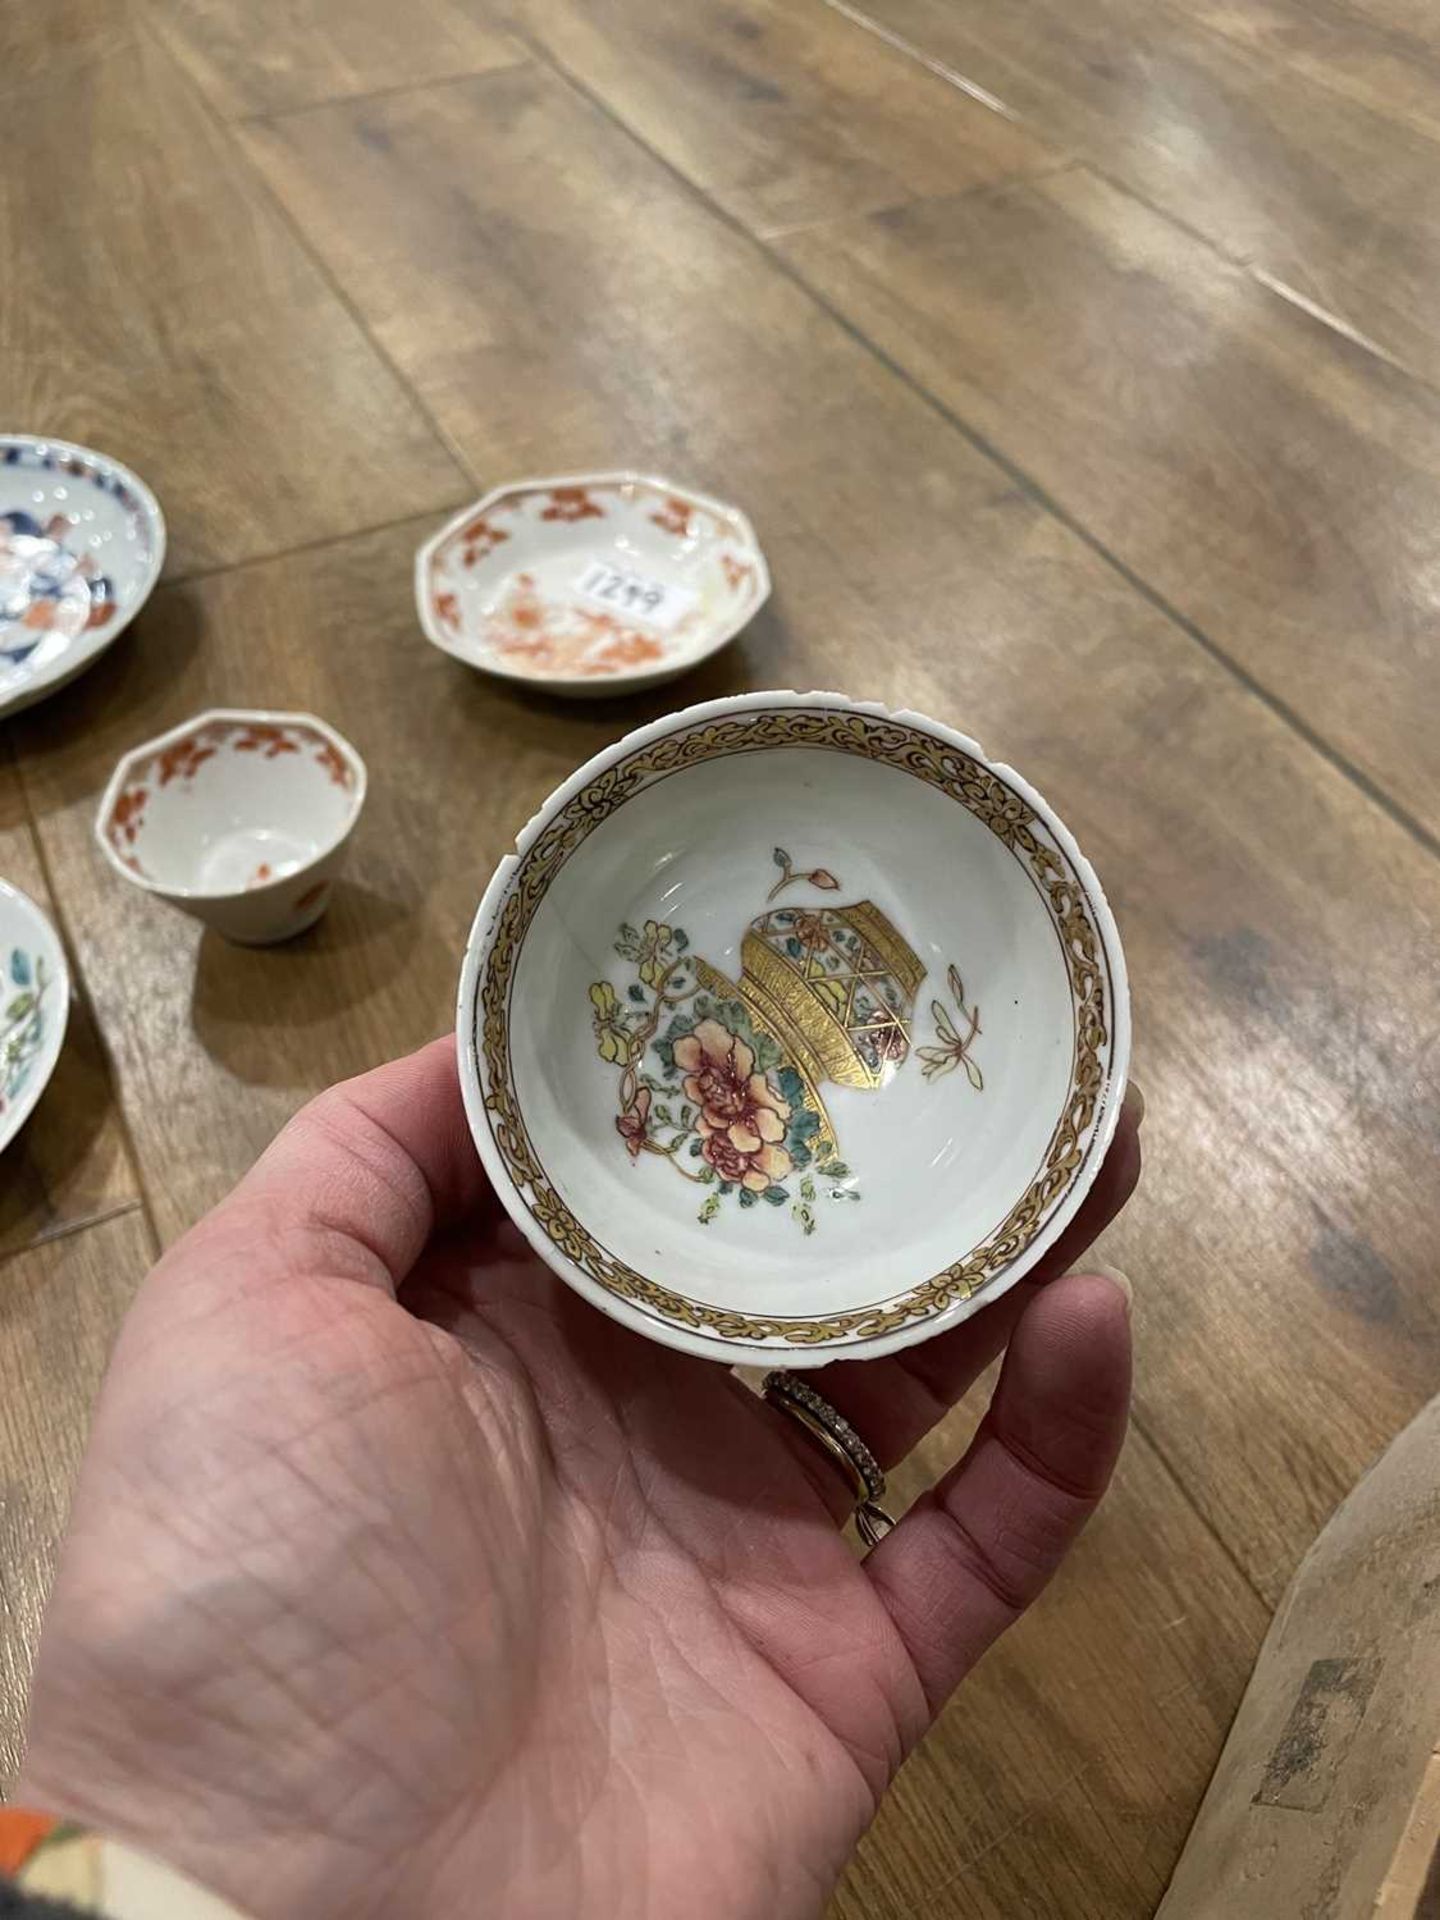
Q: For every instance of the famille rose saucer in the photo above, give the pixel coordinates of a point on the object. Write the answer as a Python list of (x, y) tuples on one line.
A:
[(34, 1007), (238, 817), (592, 584), (82, 540), (793, 1029)]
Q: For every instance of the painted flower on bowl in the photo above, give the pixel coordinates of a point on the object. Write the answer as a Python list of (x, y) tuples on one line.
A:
[(811, 931), (742, 1118), (889, 1040), (22, 1022), (612, 1036), (633, 1125), (653, 944), (706, 1088)]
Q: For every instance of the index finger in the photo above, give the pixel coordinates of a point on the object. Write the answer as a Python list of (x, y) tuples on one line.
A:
[(356, 1183)]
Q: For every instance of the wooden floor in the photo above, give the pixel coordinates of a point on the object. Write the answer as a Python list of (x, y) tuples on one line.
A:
[(1078, 363)]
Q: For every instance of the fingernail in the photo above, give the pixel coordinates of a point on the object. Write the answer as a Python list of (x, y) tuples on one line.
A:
[(1119, 1280), (1135, 1101)]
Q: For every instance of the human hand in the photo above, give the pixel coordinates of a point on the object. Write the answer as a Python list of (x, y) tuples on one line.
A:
[(399, 1581)]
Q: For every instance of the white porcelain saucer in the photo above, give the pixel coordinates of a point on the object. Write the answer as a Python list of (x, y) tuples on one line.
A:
[(794, 1029), (590, 584), (82, 540), (34, 1007)]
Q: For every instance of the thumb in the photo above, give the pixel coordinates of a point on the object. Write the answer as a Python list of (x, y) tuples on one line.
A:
[(970, 1556)]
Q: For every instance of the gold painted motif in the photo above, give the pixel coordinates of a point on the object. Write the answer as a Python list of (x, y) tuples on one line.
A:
[(952, 1047), (722, 1080)]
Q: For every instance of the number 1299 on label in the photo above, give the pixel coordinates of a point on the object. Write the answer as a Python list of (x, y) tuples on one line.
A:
[(634, 594)]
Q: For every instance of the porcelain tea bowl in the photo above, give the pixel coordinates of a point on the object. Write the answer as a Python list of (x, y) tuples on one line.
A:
[(590, 584), (238, 817), (82, 540), (793, 1029)]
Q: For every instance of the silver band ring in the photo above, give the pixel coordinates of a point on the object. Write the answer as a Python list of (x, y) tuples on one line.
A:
[(829, 1427)]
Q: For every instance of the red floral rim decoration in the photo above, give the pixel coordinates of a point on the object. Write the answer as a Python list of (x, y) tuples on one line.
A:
[(182, 759)]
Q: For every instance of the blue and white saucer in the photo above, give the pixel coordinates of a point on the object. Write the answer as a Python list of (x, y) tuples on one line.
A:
[(81, 544)]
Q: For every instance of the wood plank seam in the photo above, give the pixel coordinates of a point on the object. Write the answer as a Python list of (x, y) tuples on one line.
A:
[(1282, 289), (264, 115), (1271, 282), (1002, 1839), (775, 233), (1171, 1473), (1017, 474), (295, 57), (81, 1224), (1247, 263), (243, 162), (430, 518), (941, 69)]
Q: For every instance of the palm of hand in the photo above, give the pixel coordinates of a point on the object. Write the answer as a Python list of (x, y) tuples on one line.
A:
[(371, 1604)]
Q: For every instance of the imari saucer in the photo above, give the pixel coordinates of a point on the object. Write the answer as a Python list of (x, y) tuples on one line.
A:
[(82, 540)]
